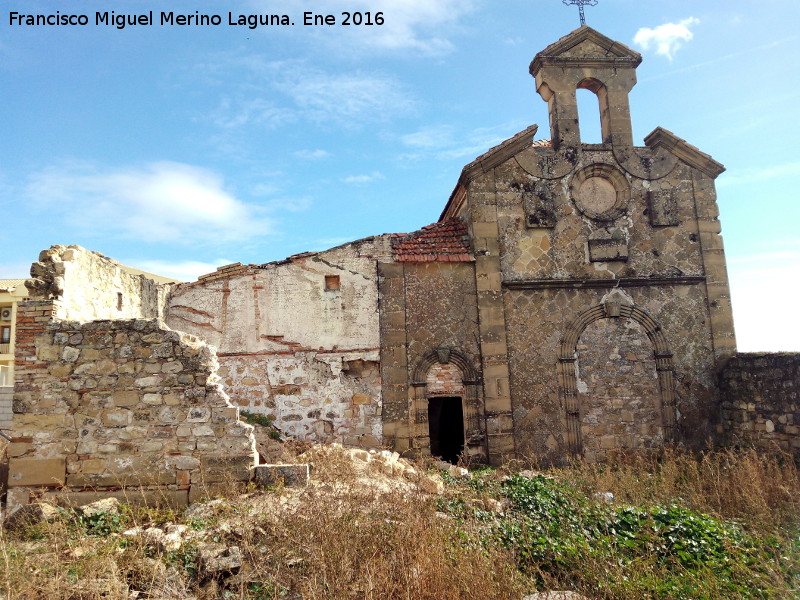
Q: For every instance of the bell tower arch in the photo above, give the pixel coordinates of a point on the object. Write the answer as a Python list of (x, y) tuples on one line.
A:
[(586, 59)]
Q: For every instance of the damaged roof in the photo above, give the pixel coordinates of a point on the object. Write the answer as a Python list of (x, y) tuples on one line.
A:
[(445, 241)]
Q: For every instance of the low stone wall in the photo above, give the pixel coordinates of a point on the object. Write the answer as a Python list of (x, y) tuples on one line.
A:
[(761, 401), (105, 405)]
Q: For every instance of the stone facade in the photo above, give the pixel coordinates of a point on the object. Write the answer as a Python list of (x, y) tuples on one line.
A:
[(572, 300), (761, 401), (602, 300)]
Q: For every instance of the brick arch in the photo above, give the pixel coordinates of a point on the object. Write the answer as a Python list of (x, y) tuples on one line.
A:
[(474, 414), (567, 357), (444, 356)]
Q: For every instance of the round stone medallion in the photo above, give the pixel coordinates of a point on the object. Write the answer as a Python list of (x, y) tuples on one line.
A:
[(600, 192), (597, 195)]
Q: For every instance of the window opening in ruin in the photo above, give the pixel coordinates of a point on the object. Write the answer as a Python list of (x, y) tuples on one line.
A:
[(446, 427), (119, 300), (332, 282)]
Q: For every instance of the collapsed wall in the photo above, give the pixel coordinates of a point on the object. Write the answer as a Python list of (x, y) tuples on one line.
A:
[(108, 405), (297, 340)]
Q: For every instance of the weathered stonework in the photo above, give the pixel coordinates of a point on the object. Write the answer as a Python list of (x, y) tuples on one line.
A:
[(642, 220), (760, 404), (103, 405), (90, 286)]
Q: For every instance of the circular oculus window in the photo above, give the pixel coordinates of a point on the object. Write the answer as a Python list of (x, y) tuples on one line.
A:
[(600, 192)]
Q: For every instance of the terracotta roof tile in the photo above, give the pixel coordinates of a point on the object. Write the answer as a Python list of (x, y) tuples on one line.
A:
[(445, 241)]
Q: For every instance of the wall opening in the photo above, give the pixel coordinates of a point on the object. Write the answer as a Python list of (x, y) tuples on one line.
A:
[(589, 116), (446, 427), (332, 283)]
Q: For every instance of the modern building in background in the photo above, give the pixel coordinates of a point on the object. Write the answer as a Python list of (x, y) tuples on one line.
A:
[(11, 291)]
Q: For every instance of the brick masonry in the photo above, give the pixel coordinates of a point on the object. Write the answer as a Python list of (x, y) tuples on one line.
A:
[(760, 404)]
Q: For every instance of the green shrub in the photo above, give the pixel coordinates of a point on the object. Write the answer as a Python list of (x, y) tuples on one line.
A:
[(256, 418)]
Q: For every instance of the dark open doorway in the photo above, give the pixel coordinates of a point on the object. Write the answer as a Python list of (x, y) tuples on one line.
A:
[(446, 427)]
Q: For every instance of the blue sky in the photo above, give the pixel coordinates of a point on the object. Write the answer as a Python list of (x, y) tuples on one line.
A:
[(178, 149)]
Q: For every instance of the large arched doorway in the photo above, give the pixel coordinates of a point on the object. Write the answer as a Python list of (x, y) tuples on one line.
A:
[(616, 389)]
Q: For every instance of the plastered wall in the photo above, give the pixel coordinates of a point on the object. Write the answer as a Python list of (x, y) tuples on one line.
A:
[(297, 340), (86, 285)]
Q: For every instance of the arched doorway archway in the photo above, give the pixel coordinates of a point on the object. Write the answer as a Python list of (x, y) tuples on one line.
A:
[(613, 308)]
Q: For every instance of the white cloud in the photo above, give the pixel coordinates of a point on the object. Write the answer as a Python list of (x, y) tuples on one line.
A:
[(235, 112), (160, 202), (434, 137), (299, 90), (307, 154), (750, 176), (408, 25), (666, 38), (363, 179), (184, 270), (348, 98)]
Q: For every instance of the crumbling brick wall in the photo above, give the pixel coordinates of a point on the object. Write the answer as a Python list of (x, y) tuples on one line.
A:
[(760, 404)]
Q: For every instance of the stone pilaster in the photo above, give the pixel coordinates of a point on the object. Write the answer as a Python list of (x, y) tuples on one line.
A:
[(713, 254), (394, 361), (491, 318)]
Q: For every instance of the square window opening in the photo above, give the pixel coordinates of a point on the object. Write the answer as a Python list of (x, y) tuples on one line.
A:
[(332, 283)]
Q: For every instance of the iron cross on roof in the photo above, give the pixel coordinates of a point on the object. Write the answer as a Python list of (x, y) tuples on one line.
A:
[(580, 4)]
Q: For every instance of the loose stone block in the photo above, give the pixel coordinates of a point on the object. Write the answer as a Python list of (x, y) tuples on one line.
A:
[(288, 475)]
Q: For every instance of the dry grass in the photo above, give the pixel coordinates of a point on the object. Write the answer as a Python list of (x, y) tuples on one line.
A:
[(340, 539), (760, 489)]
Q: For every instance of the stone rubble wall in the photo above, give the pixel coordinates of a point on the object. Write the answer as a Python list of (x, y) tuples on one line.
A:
[(761, 401), (617, 383), (88, 286), (112, 404), (297, 340)]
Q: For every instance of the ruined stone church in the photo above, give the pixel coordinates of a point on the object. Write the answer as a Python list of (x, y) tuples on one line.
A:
[(571, 300)]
